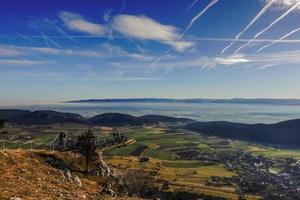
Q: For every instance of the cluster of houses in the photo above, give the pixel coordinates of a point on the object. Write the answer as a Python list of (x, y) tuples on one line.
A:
[(256, 174)]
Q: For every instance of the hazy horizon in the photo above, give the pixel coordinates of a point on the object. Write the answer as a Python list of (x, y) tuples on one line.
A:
[(45, 102)]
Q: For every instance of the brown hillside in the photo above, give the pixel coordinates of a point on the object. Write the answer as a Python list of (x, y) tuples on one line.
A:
[(28, 175)]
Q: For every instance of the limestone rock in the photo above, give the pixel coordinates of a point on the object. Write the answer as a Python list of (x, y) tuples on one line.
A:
[(77, 180)]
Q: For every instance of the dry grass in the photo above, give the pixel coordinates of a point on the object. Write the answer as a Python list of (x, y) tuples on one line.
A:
[(26, 175)]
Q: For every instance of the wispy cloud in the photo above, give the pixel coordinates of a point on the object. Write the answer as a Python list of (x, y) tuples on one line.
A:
[(259, 61), (22, 62), (232, 60), (103, 51), (76, 22), (203, 62), (9, 52), (284, 4), (144, 28)]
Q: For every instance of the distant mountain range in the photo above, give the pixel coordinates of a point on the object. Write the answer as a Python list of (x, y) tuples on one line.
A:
[(163, 100), (47, 117)]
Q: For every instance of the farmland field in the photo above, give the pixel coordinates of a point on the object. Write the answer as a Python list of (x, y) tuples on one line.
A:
[(166, 149)]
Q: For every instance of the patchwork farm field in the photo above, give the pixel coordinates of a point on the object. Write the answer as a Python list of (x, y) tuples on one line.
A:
[(166, 144), (181, 175), (165, 149)]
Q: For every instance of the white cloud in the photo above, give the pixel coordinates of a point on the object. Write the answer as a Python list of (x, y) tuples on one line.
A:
[(231, 60), (284, 4), (76, 22), (144, 28)]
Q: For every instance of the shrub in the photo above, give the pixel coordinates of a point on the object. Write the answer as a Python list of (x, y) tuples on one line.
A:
[(144, 159)]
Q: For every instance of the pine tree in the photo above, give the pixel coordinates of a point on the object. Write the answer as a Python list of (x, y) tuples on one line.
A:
[(86, 146)]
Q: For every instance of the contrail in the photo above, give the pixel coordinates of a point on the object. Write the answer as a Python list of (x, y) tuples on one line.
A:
[(276, 41), (268, 27), (25, 38), (196, 1), (134, 43), (194, 19), (54, 43), (45, 39), (261, 12), (123, 6), (210, 39)]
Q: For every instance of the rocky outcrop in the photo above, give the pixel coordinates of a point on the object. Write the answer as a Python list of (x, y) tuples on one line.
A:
[(66, 175), (51, 175), (103, 168)]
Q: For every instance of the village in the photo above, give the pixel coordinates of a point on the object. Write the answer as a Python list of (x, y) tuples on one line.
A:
[(255, 174)]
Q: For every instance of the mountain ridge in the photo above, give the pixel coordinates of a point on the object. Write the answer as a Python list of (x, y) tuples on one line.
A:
[(48, 117), (272, 101), (281, 133)]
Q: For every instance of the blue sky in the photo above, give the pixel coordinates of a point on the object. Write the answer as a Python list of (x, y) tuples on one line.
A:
[(63, 50)]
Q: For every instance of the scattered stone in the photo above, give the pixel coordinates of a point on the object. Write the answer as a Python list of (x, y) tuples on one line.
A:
[(56, 181), (4, 153), (68, 175), (109, 192), (15, 198)]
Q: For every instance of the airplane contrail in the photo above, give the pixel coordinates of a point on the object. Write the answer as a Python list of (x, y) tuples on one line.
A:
[(280, 39), (259, 14), (54, 43), (191, 6), (210, 39), (134, 43), (191, 23), (268, 27), (194, 19), (45, 39)]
